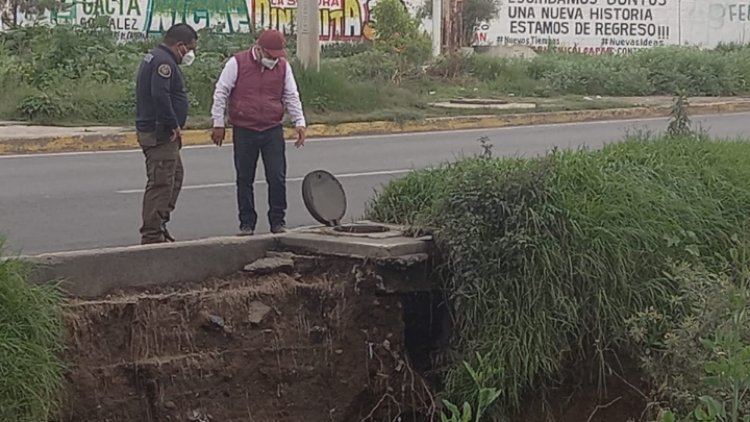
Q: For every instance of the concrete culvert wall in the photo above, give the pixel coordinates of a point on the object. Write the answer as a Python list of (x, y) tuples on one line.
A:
[(291, 338)]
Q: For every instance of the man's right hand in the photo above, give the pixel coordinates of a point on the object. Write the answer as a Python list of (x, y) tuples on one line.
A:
[(176, 135), (218, 135)]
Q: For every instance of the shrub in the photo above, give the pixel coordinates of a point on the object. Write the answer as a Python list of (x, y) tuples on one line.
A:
[(545, 259), (30, 340), (397, 33), (657, 71), (81, 75), (344, 49), (41, 67), (698, 349), (373, 66)]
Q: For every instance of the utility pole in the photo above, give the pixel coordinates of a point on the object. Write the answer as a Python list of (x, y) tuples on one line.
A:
[(308, 34), (437, 27)]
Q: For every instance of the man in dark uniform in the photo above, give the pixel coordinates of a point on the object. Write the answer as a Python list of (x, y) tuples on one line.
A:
[(161, 112)]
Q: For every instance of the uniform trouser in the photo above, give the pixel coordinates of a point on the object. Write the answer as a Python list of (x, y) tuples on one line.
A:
[(164, 180), (270, 145)]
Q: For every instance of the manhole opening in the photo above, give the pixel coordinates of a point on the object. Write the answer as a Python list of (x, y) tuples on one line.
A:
[(362, 228)]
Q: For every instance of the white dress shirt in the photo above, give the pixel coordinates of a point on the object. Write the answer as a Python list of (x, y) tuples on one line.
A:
[(226, 83)]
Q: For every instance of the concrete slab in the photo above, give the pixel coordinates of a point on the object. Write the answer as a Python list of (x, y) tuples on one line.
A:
[(349, 246), (270, 265), (98, 272), (93, 273)]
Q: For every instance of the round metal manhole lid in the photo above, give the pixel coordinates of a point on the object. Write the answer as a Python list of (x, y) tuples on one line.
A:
[(324, 197)]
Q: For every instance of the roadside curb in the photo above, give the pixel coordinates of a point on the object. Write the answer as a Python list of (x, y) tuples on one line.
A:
[(127, 140)]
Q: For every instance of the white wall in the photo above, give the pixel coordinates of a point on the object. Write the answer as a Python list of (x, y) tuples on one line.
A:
[(616, 26), (590, 26)]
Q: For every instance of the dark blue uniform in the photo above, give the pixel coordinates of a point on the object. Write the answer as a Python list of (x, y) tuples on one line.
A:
[(162, 107), (162, 102)]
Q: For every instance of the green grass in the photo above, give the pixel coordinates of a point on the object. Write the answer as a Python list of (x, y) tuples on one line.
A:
[(546, 259), (30, 343)]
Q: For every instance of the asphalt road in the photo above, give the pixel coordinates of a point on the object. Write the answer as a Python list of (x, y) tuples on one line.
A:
[(59, 202)]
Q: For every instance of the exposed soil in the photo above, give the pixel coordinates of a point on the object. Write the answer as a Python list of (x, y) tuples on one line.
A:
[(317, 343), (621, 397), (300, 339)]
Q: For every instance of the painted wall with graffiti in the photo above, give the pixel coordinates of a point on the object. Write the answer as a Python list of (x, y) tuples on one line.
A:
[(340, 20)]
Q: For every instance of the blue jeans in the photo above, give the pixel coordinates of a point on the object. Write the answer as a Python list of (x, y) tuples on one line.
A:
[(270, 145)]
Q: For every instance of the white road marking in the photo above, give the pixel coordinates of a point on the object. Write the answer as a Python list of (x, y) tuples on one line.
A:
[(291, 179), (386, 136)]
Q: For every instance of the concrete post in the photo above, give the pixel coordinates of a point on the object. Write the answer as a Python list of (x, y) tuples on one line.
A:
[(308, 34), (437, 27)]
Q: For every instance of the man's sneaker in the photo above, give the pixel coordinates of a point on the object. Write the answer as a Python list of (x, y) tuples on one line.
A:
[(246, 231), (278, 229)]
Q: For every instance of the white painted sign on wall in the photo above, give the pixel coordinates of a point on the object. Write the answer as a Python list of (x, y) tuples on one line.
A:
[(589, 26), (616, 26)]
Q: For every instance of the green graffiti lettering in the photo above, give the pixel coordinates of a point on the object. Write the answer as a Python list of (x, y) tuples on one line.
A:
[(66, 13), (231, 15)]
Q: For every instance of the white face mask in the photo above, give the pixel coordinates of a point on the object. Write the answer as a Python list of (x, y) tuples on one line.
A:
[(188, 58), (269, 63)]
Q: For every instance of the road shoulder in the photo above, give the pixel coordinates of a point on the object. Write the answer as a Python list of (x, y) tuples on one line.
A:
[(18, 139)]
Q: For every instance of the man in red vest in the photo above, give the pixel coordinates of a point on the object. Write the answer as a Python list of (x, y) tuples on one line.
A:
[(256, 86)]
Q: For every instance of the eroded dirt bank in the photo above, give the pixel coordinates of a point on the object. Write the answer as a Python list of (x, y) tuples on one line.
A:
[(297, 339)]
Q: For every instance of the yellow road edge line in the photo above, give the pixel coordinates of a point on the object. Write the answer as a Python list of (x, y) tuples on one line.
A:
[(127, 140)]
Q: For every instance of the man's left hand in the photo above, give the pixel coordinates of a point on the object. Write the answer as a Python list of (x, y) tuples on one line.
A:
[(217, 135), (300, 136)]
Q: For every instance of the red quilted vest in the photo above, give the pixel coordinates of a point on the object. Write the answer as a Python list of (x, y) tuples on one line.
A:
[(257, 99)]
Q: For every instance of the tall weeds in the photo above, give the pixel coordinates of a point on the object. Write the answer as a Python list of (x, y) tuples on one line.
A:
[(30, 342), (546, 259)]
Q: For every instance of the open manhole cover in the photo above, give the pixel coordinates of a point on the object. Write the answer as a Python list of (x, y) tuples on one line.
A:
[(325, 200), (324, 197)]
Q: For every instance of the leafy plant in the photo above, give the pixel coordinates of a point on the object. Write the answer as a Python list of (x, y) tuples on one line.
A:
[(485, 396), (729, 369), (697, 352), (40, 106), (484, 142), (679, 123)]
